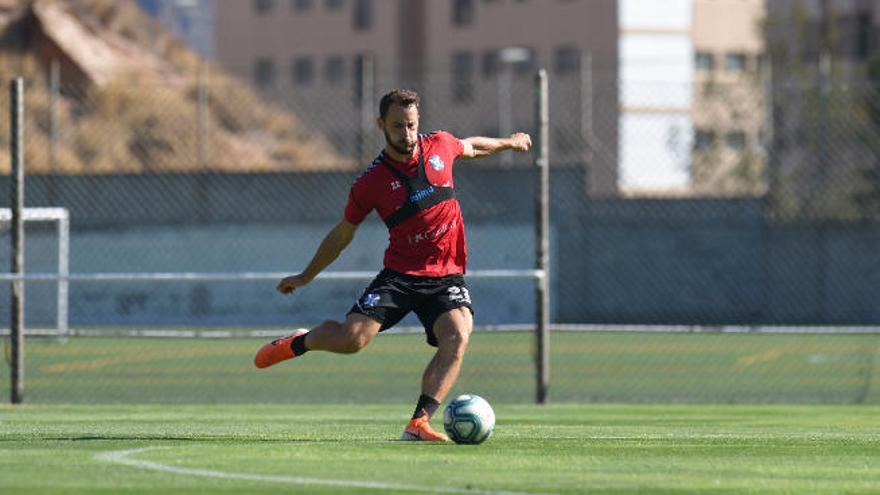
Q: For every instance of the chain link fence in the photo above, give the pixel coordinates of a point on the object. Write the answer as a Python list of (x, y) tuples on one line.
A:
[(748, 274)]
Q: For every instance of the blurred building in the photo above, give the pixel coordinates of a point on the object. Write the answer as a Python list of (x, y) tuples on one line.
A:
[(824, 57), (473, 61), (691, 98), (729, 111), (851, 28), (656, 78), (190, 20), (635, 83)]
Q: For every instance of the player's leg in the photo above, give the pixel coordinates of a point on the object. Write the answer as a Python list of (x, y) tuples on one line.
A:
[(380, 307), (447, 316), (453, 330), (343, 338)]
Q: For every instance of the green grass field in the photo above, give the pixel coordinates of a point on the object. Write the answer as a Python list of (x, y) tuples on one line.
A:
[(346, 449), (584, 368), (794, 414)]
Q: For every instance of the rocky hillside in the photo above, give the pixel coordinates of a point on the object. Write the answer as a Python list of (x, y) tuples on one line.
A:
[(134, 99)]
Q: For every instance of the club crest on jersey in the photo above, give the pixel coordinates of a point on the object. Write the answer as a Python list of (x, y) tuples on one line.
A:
[(436, 163)]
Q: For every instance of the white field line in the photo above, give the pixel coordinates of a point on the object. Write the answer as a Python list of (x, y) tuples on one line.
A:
[(123, 457)]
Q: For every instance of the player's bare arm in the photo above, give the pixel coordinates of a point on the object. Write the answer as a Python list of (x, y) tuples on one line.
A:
[(478, 146), (333, 244)]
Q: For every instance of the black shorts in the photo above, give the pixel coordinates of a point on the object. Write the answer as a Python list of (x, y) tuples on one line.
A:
[(392, 295)]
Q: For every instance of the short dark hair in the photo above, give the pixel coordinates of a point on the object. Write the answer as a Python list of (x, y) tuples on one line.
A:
[(403, 97)]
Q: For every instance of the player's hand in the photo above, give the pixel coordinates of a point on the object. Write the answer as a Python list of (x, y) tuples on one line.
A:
[(291, 283), (520, 141)]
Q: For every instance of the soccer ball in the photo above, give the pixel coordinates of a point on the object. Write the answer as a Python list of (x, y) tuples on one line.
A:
[(469, 419)]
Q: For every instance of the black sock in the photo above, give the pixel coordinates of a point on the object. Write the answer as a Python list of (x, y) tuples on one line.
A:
[(426, 407), (298, 345)]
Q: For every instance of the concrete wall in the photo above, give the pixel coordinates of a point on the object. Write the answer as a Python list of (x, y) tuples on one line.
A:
[(713, 262)]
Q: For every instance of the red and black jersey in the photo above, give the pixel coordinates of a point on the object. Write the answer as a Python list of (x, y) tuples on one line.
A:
[(416, 200)]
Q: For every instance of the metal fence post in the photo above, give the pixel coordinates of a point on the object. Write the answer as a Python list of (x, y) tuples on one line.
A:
[(64, 272), (202, 116), (542, 237), (54, 137), (54, 96), (586, 95), (16, 153), (367, 90)]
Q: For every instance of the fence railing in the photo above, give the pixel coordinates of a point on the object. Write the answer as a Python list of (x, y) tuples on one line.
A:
[(759, 269)]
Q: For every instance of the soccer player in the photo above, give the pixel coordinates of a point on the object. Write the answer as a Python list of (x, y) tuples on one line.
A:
[(411, 188)]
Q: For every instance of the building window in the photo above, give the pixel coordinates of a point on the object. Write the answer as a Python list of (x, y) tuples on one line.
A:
[(704, 61), (462, 77), (333, 4), (303, 71), (264, 73), (526, 66), (363, 62), (734, 62), (302, 5), (490, 63), (463, 13), (262, 7), (735, 140), (760, 62), (334, 70), (704, 140), (567, 60), (362, 19)]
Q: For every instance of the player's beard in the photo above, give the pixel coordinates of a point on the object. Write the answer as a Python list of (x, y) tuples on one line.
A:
[(403, 147)]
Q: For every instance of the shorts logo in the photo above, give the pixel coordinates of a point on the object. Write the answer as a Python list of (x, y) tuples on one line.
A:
[(370, 300), (437, 163), (459, 294)]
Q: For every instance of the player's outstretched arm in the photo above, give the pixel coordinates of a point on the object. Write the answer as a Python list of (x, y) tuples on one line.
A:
[(333, 244), (478, 147)]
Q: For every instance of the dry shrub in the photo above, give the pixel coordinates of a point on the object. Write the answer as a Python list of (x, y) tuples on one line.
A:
[(142, 122)]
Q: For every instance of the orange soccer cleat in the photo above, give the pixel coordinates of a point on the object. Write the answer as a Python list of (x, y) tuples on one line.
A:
[(278, 350), (419, 429)]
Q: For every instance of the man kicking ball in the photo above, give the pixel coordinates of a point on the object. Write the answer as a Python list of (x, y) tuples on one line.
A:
[(411, 188)]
